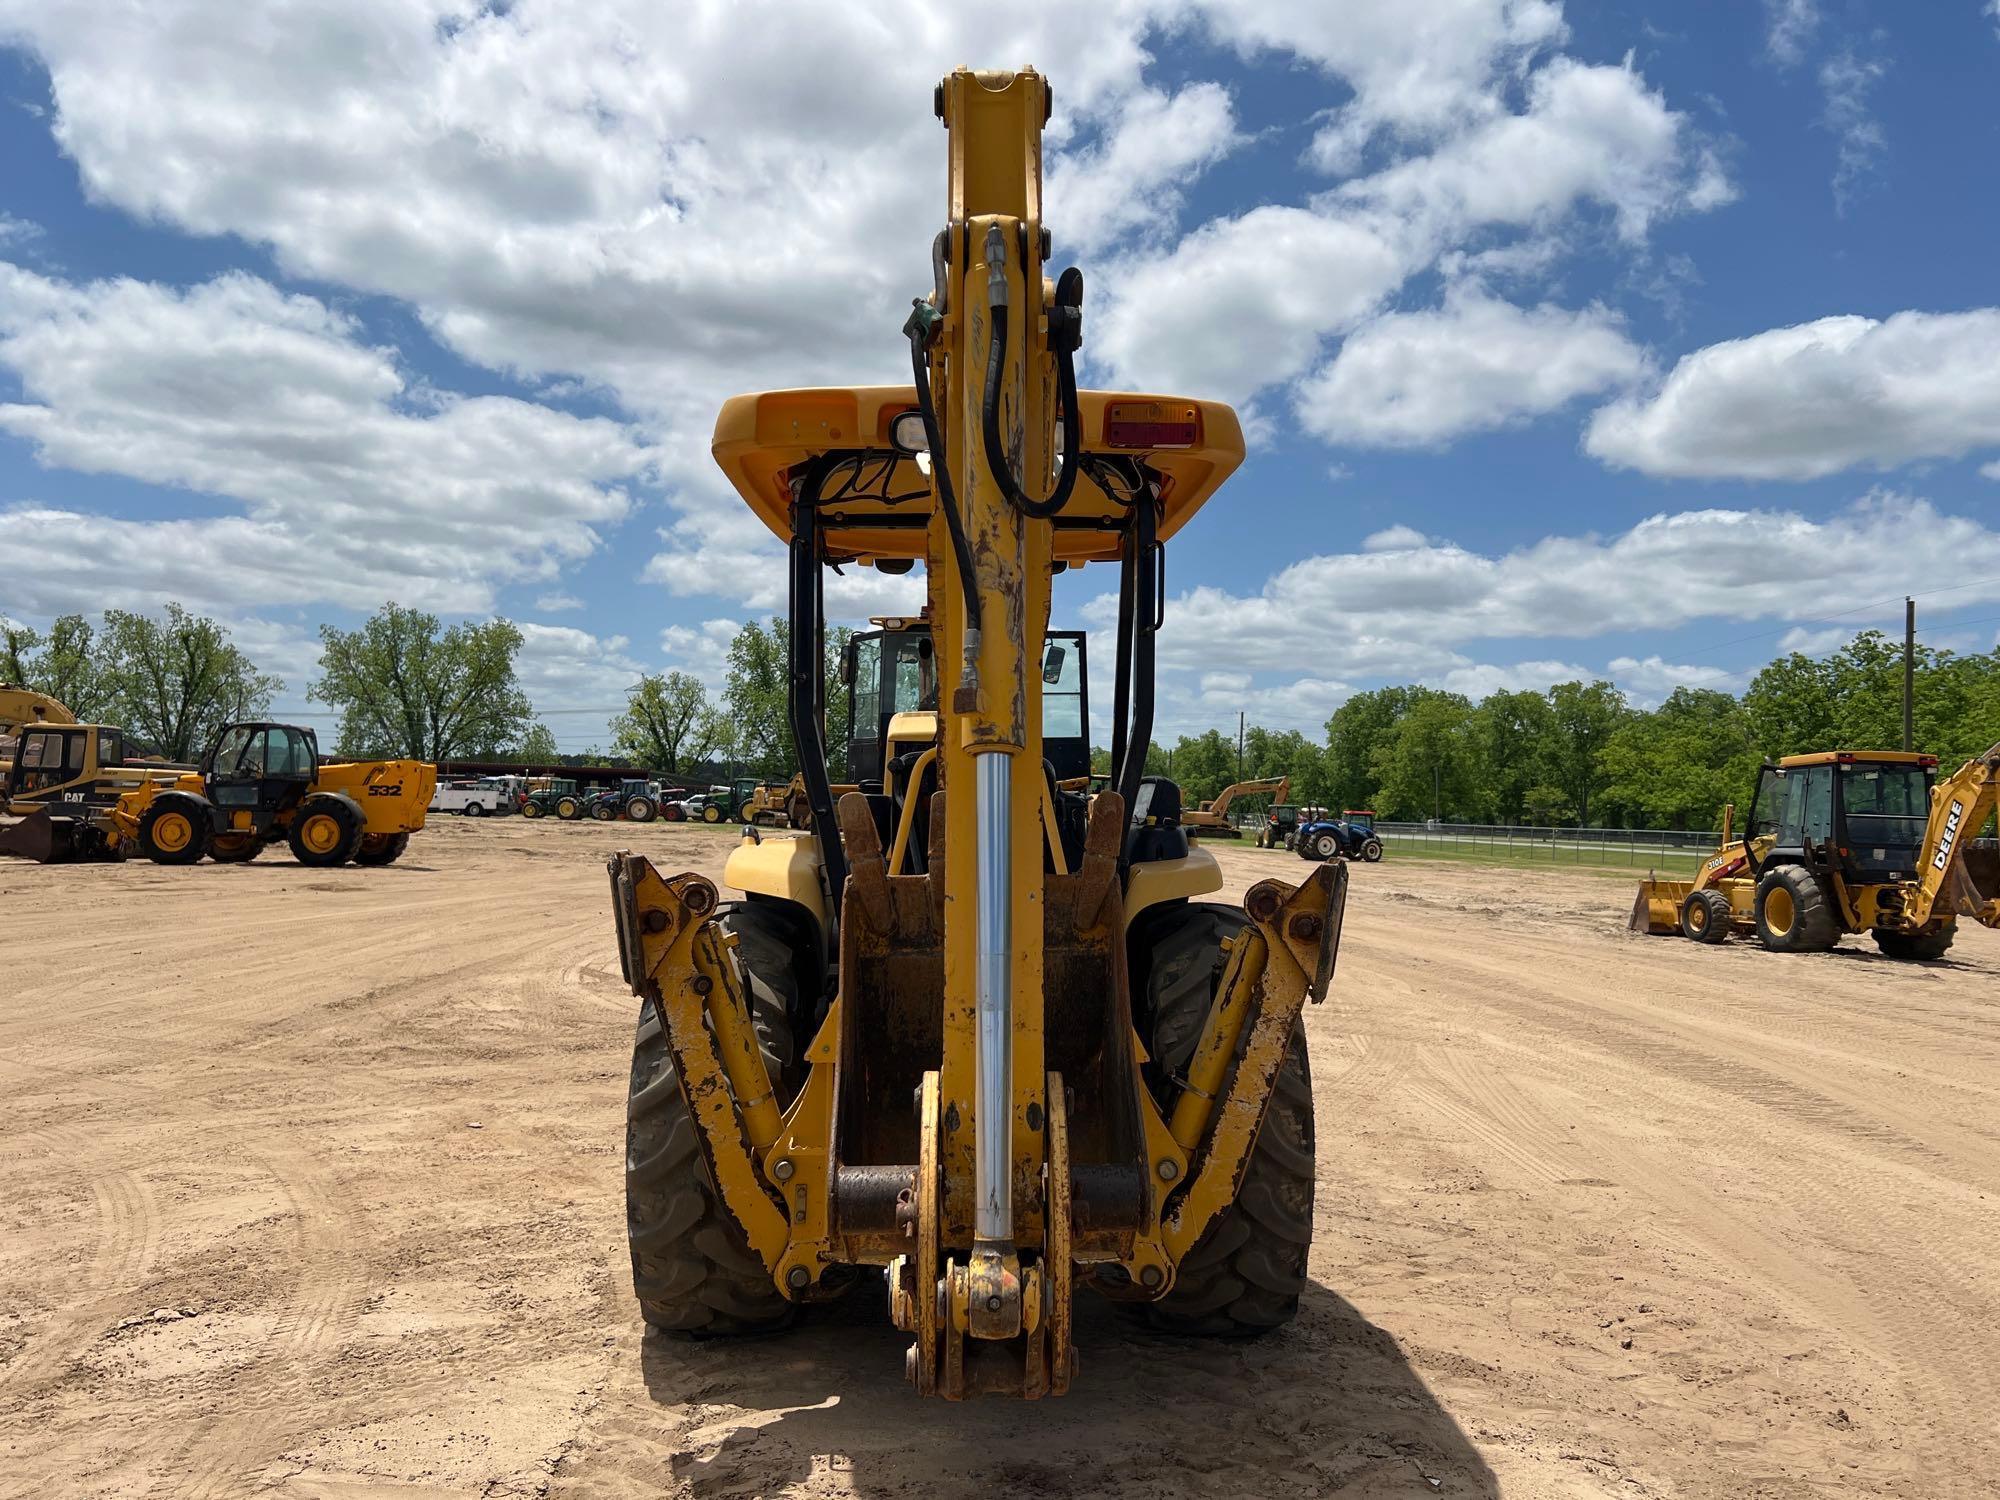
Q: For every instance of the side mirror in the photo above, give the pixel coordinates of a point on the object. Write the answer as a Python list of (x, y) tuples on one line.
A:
[(1052, 665), (847, 654)]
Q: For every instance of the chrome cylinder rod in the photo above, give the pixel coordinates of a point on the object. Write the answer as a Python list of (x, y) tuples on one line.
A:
[(993, 1213)]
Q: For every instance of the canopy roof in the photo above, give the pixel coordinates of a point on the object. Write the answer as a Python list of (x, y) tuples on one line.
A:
[(879, 501)]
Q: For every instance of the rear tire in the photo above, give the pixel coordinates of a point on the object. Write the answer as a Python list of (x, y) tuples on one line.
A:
[(1326, 846), (1793, 914), (174, 831), (1926, 944), (1244, 1276), (235, 848), (641, 810), (325, 832), (381, 848), (692, 1267), (475, 809), (1705, 916)]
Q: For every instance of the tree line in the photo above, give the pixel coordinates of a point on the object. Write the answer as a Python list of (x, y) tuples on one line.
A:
[(404, 684), (1581, 753)]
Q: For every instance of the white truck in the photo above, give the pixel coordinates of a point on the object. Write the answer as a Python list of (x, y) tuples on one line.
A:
[(475, 798)]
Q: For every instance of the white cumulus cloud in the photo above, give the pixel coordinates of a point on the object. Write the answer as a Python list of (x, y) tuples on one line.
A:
[(1477, 363), (1814, 399)]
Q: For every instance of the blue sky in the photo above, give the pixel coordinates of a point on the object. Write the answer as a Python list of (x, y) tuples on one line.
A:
[(1628, 340)]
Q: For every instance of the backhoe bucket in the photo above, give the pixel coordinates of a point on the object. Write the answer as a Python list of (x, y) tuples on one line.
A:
[(44, 839), (1657, 909)]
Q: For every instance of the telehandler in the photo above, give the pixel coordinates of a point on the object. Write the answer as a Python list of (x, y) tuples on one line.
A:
[(1845, 841), (259, 783), (974, 1028)]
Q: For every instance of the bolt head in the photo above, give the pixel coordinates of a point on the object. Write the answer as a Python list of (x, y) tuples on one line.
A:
[(783, 1169), (1152, 1276), (798, 1278), (993, 1303), (1169, 1170)]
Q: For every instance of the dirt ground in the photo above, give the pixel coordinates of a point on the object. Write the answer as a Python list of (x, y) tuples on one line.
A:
[(312, 1188)]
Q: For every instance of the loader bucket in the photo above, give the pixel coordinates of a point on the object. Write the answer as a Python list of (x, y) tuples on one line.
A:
[(40, 837), (1657, 908)]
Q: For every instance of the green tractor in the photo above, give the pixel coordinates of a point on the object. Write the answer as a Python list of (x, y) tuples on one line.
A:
[(557, 797)]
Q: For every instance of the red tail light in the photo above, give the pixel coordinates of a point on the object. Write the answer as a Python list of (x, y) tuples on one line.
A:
[(1151, 424)]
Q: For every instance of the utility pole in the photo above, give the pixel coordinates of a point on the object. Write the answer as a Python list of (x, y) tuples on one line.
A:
[(1437, 792), (1909, 673), (1239, 744)]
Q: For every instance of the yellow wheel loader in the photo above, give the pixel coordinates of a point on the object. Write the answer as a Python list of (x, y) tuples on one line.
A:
[(259, 784), (1846, 841), (982, 1031)]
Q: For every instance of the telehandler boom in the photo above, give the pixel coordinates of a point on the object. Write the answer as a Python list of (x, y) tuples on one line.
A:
[(975, 1027)]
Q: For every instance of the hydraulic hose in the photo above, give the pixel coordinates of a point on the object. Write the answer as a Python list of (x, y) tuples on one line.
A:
[(961, 549), (1065, 334)]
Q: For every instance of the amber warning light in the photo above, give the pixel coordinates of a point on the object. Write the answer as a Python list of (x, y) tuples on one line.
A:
[(1151, 424)]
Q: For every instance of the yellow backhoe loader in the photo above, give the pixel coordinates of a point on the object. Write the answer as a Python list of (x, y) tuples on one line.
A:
[(20, 707), (80, 798), (1211, 820), (973, 1028), (1846, 841)]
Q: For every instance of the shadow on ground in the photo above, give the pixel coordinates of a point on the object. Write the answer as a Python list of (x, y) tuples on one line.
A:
[(1327, 1407)]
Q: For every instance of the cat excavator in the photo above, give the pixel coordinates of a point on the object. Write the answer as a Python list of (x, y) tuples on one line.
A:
[(1211, 820), (989, 1033)]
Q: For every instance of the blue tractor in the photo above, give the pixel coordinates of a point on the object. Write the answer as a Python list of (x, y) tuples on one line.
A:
[(1350, 836)]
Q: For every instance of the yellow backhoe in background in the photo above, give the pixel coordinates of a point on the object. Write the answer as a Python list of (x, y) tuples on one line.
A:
[(1846, 841), (974, 1027)]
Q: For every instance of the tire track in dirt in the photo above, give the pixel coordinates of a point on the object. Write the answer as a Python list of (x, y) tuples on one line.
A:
[(1891, 1292), (127, 1240), (224, 1455)]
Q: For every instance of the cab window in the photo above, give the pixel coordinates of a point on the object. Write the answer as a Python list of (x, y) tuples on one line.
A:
[(867, 684), (285, 753), (229, 752), (1062, 691)]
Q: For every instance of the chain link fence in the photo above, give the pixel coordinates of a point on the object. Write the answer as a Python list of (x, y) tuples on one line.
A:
[(1663, 849)]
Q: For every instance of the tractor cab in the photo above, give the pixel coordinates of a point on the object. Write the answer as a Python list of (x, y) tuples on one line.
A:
[(254, 772), (1362, 818), (893, 671), (1858, 813), (64, 764)]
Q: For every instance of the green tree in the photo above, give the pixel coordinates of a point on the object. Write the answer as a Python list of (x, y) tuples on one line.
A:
[(536, 747), (758, 725), (1677, 766), (1581, 722), (1356, 732), (1426, 765), (1510, 737), (407, 686), (175, 682), (68, 664), (1202, 765), (668, 724)]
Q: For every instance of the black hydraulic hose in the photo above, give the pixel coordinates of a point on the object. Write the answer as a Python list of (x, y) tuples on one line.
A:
[(1065, 333), (961, 549)]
